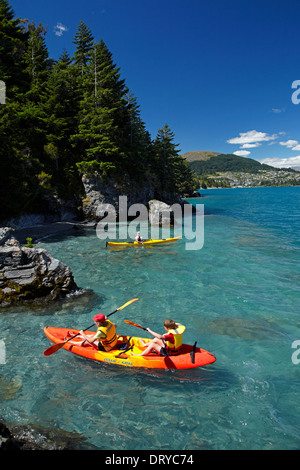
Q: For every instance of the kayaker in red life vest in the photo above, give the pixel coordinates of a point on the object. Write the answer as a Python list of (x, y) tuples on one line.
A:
[(105, 337), (166, 345), (138, 238)]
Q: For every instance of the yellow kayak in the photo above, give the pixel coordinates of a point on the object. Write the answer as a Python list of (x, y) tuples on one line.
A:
[(151, 241)]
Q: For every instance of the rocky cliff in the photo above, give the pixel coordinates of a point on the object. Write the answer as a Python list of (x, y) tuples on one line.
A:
[(101, 193), (31, 275)]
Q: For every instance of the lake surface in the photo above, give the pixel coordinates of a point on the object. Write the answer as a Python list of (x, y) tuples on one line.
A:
[(238, 297)]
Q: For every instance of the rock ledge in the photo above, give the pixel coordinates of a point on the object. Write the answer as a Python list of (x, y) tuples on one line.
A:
[(31, 275)]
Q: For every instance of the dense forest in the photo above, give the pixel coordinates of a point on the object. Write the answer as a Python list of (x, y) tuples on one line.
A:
[(71, 117)]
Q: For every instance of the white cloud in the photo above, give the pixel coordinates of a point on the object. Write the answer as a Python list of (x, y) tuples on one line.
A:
[(241, 153), (289, 143), (249, 146), (278, 110), (251, 137), (59, 29), (282, 162)]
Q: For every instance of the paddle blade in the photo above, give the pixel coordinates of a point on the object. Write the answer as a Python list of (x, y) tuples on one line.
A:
[(127, 303), (53, 348), (134, 324)]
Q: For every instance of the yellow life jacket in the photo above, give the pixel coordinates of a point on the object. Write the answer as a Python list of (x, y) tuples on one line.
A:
[(175, 348), (110, 331)]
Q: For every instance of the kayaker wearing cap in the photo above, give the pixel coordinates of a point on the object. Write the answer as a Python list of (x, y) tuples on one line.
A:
[(106, 333), (169, 344)]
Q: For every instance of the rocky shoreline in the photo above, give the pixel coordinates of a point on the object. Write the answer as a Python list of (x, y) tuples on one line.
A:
[(31, 275)]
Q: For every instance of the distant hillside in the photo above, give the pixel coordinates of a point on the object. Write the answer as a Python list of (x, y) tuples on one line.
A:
[(210, 163), (199, 155)]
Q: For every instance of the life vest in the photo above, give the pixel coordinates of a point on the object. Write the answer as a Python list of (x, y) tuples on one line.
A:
[(176, 347), (110, 331)]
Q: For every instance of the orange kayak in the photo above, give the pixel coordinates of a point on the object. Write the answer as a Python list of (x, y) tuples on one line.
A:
[(190, 356)]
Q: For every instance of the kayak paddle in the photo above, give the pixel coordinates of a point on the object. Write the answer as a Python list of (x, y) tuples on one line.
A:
[(134, 324), (192, 353), (56, 347)]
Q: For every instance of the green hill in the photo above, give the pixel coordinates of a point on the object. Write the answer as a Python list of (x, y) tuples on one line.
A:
[(210, 163)]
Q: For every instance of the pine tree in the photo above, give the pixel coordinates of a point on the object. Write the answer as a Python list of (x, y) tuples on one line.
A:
[(34, 117), (62, 108), (12, 46), (36, 59), (22, 119), (172, 171), (84, 43), (62, 103), (13, 175), (140, 140), (163, 153), (104, 117)]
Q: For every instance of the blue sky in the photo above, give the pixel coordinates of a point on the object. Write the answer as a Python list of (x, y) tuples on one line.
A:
[(218, 72)]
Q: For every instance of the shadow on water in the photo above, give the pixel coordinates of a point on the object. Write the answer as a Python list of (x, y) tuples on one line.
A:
[(57, 231), (209, 378), (81, 233), (73, 303)]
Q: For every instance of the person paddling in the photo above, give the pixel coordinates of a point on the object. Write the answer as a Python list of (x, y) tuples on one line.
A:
[(167, 344), (138, 238), (105, 338)]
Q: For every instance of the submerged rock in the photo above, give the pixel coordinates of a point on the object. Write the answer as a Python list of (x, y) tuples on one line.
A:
[(244, 328), (31, 275), (34, 437)]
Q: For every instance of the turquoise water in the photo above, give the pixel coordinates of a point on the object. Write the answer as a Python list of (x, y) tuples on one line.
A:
[(238, 297)]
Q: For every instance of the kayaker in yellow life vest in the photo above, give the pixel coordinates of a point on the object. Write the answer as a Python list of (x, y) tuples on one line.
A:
[(169, 344), (106, 334)]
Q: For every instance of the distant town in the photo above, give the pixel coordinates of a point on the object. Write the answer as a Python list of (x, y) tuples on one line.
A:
[(215, 170), (261, 178)]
